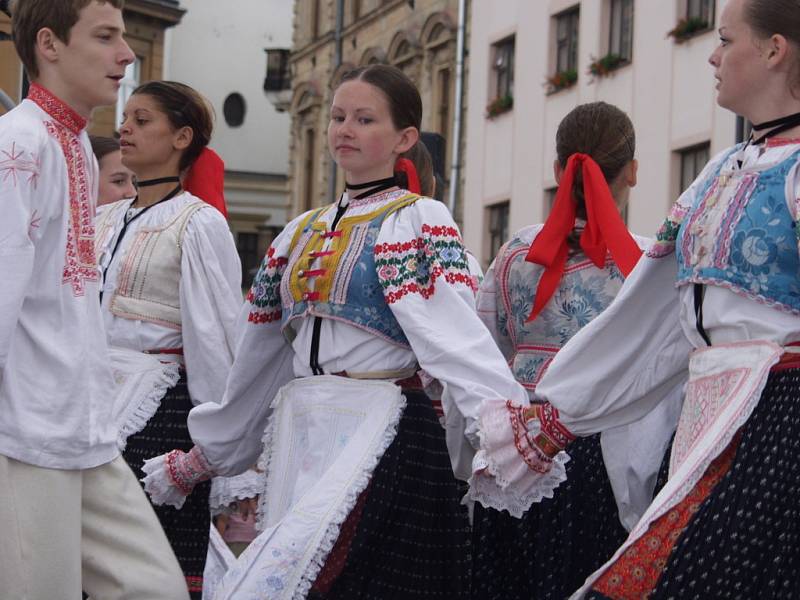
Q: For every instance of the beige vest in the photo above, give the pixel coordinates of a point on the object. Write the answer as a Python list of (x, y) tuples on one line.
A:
[(148, 286)]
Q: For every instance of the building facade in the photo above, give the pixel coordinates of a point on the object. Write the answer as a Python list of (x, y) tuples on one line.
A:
[(418, 37), (221, 52), (146, 22), (532, 62)]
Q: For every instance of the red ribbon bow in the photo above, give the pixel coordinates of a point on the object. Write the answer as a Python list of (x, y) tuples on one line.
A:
[(206, 180), (404, 165), (605, 230)]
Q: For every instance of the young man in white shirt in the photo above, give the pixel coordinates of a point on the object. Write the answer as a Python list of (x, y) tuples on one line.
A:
[(72, 514)]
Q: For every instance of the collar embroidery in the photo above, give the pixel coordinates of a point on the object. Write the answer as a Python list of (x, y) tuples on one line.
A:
[(57, 108)]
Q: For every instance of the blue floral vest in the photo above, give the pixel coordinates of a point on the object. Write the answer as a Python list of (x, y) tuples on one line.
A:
[(739, 234), (583, 293), (346, 285)]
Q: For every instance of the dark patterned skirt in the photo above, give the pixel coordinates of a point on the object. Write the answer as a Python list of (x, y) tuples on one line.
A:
[(187, 528), (410, 537), (557, 543), (743, 541)]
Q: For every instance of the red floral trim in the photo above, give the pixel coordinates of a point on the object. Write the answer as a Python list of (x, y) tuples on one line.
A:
[(194, 583), (530, 452), (264, 295), (187, 469), (636, 573), (56, 108), (414, 266), (80, 265), (552, 428)]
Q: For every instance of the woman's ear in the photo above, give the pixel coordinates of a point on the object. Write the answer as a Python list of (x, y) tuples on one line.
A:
[(408, 137), (182, 138), (775, 48), (557, 171), (631, 171)]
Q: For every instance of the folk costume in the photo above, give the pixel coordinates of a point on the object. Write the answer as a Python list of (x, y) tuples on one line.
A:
[(361, 502), (171, 293), (715, 305), (72, 513), (550, 549)]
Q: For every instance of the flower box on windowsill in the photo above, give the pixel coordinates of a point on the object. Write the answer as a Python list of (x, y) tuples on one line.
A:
[(561, 80), (688, 28), (498, 106), (604, 66)]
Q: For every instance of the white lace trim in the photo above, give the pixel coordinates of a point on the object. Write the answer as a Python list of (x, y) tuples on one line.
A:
[(158, 485), (360, 483), (135, 416), (265, 466), (227, 490), (501, 479)]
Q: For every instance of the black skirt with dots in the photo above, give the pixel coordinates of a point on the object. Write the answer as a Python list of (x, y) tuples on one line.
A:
[(410, 535), (187, 528), (558, 542)]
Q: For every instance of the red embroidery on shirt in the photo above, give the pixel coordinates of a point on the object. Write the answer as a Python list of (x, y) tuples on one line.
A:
[(79, 264), (13, 163), (56, 108)]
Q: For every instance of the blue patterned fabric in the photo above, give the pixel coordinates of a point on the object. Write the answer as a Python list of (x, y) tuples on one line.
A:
[(740, 234), (584, 292), (356, 294)]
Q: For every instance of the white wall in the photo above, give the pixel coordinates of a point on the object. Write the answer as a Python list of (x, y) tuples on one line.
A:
[(668, 91), (218, 48)]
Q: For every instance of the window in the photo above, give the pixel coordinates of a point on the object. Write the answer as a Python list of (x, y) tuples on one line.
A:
[(692, 162), (567, 41), (233, 109), (309, 161), (503, 68), (620, 40), (702, 10), (498, 227), (315, 17), (247, 247), (129, 82)]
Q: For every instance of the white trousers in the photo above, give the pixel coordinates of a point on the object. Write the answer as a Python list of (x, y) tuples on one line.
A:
[(64, 531)]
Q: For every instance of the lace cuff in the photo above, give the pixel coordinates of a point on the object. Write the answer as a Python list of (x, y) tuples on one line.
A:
[(169, 478), (227, 490), (500, 479)]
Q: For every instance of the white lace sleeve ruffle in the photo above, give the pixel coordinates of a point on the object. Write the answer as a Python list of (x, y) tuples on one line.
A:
[(227, 490), (502, 479), (158, 485)]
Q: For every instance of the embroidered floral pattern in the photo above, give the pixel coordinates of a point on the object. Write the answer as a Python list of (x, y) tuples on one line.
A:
[(636, 573), (413, 267), (264, 295), (667, 234), (742, 236), (80, 265), (583, 293), (702, 403)]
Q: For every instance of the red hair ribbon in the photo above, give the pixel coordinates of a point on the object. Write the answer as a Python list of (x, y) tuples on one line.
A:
[(206, 180), (605, 230), (404, 165)]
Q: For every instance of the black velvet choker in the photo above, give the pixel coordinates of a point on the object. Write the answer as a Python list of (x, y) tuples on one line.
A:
[(149, 182), (375, 187), (780, 125)]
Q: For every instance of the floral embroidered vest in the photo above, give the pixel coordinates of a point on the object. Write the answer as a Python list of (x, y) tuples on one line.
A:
[(739, 234), (148, 287), (583, 293), (345, 284)]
